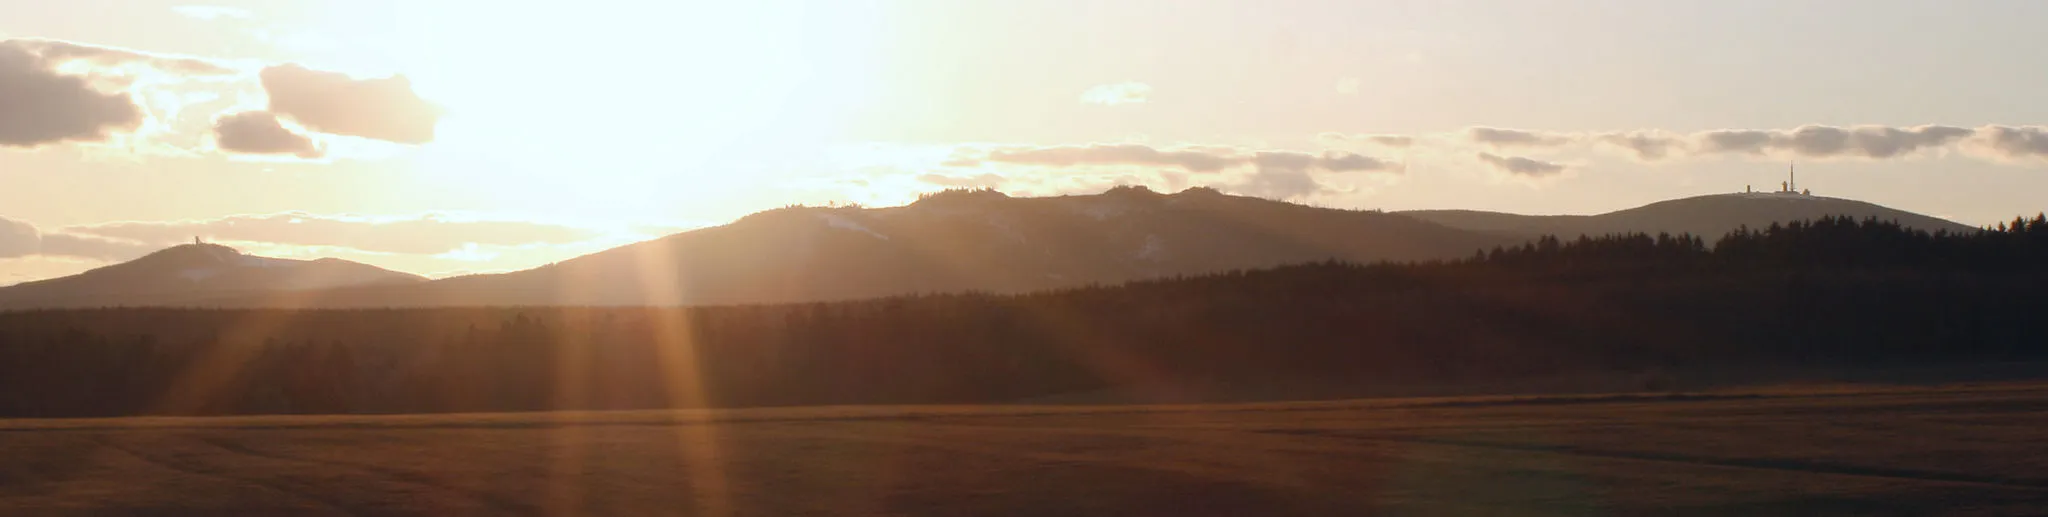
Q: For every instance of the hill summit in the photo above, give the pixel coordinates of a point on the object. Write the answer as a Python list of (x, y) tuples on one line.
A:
[(194, 274)]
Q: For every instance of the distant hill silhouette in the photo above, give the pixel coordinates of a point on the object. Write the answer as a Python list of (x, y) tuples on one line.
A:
[(195, 274), (1630, 312), (954, 241), (1710, 216)]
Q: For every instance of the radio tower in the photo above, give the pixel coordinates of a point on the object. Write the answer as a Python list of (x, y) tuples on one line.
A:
[(1792, 176)]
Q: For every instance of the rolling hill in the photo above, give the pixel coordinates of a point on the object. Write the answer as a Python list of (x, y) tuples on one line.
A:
[(195, 274), (1709, 217), (954, 241), (948, 242)]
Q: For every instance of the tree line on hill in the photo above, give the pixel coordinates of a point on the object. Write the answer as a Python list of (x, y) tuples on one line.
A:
[(1833, 292)]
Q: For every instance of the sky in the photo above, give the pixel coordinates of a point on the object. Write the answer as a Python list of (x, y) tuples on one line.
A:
[(452, 137)]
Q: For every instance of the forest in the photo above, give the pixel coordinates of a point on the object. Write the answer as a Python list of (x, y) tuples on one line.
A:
[(1834, 292)]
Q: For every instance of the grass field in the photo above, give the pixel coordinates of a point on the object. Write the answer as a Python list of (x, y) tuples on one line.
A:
[(1902, 451)]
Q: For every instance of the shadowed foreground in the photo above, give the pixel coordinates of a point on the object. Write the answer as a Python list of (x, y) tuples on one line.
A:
[(1963, 451)]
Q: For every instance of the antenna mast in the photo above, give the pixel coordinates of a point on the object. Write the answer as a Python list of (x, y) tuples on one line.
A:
[(1792, 176)]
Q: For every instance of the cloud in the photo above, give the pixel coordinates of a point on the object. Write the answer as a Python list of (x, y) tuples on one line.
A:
[(1645, 145), (1521, 166), (86, 246), (39, 106), (1868, 141), (1746, 141), (1496, 137), (2012, 142), (1395, 141), (1117, 93), (1272, 173), (1283, 160), (54, 92), (1333, 161), (979, 180), (1338, 161), (1286, 174), (59, 52), (1871, 142), (334, 103), (212, 12), (259, 132), (21, 239), (1194, 160), (1810, 141), (424, 234), (1280, 184)]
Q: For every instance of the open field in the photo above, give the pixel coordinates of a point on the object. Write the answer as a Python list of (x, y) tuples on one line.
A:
[(1902, 451)]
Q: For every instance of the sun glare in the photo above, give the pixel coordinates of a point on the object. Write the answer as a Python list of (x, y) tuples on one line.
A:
[(616, 100)]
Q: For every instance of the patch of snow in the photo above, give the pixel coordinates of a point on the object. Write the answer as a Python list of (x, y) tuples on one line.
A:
[(1006, 228), (1154, 250), (1783, 196), (264, 262), (842, 222), (1103, 211)]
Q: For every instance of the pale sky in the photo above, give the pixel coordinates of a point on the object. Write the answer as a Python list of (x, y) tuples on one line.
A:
[(441, 137)]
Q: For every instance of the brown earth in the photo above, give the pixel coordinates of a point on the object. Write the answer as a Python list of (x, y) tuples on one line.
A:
[(1968, 450)]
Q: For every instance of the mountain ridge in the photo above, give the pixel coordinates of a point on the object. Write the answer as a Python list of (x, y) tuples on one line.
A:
[(193, 274), (958, 240), (1708, 216)]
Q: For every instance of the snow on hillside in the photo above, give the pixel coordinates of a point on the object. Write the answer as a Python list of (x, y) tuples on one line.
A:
[(845, 223)]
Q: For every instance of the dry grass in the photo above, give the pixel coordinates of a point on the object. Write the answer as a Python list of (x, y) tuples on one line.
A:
[(1911, 451)]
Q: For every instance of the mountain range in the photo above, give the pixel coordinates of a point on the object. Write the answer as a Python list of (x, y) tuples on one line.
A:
[(1710, 216), (196, 274), (953, 241)]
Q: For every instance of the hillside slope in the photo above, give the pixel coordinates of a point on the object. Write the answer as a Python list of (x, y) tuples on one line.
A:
[(951, 242), (1708, 216), (195, 274)]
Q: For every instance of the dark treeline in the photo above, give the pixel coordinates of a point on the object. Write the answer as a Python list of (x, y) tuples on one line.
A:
[(1832, 292)]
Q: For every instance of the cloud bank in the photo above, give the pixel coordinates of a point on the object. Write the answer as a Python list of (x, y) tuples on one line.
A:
[(1193, 160), (987, 179), (331, 102), (1521, 166), (1280, 174), (39, 106), (424, 234), (1503, 138), (21, 239), (1395, 141), (1821, 142), (259, 132)]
